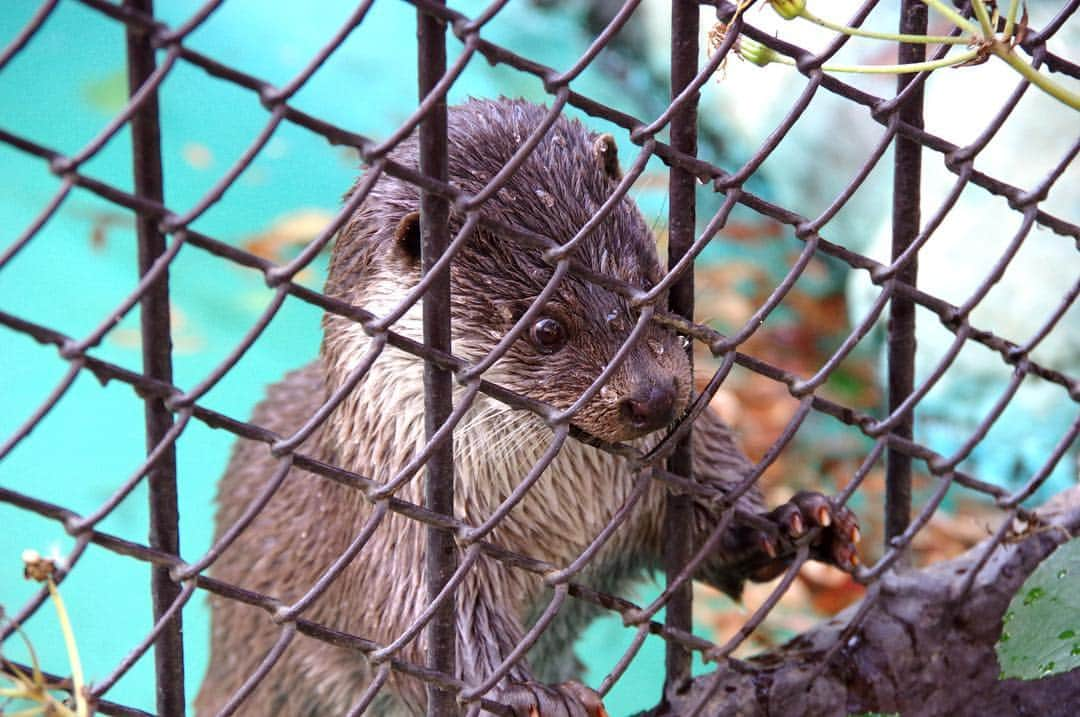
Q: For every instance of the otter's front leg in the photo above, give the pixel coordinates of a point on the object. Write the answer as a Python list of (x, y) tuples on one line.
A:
[(755, 550), (760, 550), (490, 601)]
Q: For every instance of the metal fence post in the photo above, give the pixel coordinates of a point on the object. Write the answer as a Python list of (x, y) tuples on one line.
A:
[(678, 518), (905, 227), (157, 364), (438, 382)]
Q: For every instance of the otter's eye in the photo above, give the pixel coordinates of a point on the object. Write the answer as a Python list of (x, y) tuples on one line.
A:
[(548, 335)]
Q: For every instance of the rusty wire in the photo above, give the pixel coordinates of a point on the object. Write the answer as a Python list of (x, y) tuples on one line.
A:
[(163, 231)]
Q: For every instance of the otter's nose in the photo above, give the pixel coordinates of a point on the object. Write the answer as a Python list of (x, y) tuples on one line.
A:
[(649, 407)]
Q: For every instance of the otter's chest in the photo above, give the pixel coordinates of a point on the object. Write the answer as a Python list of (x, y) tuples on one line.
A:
[(554, 515)]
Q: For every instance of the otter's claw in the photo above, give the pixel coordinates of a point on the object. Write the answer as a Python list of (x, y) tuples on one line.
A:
[(835, 542), (535, 699)]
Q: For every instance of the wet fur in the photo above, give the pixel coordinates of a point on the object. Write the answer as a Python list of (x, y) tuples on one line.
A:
[(377, 429)]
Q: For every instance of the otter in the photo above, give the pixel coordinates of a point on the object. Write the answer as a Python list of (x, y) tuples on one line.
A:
[(378, 428)]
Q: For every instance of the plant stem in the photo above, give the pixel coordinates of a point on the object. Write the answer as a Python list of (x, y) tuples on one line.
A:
[(907, 68), (891, 36), (890, 69), (983, 17), (956, 18), (1010, 18), (1032, 75), (81, 708)]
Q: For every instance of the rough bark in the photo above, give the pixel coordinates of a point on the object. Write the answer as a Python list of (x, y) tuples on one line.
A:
[(922, 648)]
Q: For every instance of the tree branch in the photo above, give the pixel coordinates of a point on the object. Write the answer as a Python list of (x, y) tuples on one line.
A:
[(923, 646)]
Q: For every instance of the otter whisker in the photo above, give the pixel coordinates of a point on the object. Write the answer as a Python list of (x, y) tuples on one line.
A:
[(526, 432), (503, 432)]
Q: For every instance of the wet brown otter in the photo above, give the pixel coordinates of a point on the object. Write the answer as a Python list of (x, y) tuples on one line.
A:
[(311, 521)]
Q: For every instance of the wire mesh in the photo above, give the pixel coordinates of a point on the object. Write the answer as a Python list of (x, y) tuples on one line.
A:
[(456, 545)]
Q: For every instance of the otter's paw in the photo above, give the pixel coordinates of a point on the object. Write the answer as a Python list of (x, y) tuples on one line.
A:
[(535, 699), (835, 542)]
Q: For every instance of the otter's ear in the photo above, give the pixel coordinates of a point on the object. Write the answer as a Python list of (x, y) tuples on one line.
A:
[(407, 235), (607, 154)]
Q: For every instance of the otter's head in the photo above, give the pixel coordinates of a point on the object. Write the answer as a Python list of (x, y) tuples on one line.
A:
[(494, 279)]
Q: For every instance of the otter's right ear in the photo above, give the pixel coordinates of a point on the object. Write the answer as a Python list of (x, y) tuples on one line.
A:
[(407, 235), (607, 154)]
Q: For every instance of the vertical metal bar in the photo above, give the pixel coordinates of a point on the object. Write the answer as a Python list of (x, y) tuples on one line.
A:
[(907, 176), (157, 363), (441, 559), (678, 517)]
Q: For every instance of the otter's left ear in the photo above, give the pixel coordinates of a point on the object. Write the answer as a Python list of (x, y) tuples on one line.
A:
[(607, 154), (407, 235)]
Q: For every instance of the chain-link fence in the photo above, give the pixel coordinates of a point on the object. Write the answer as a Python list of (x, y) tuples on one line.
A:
[(372, 492)]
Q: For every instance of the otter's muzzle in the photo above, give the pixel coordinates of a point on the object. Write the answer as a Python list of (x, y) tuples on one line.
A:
[(650, 405)]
